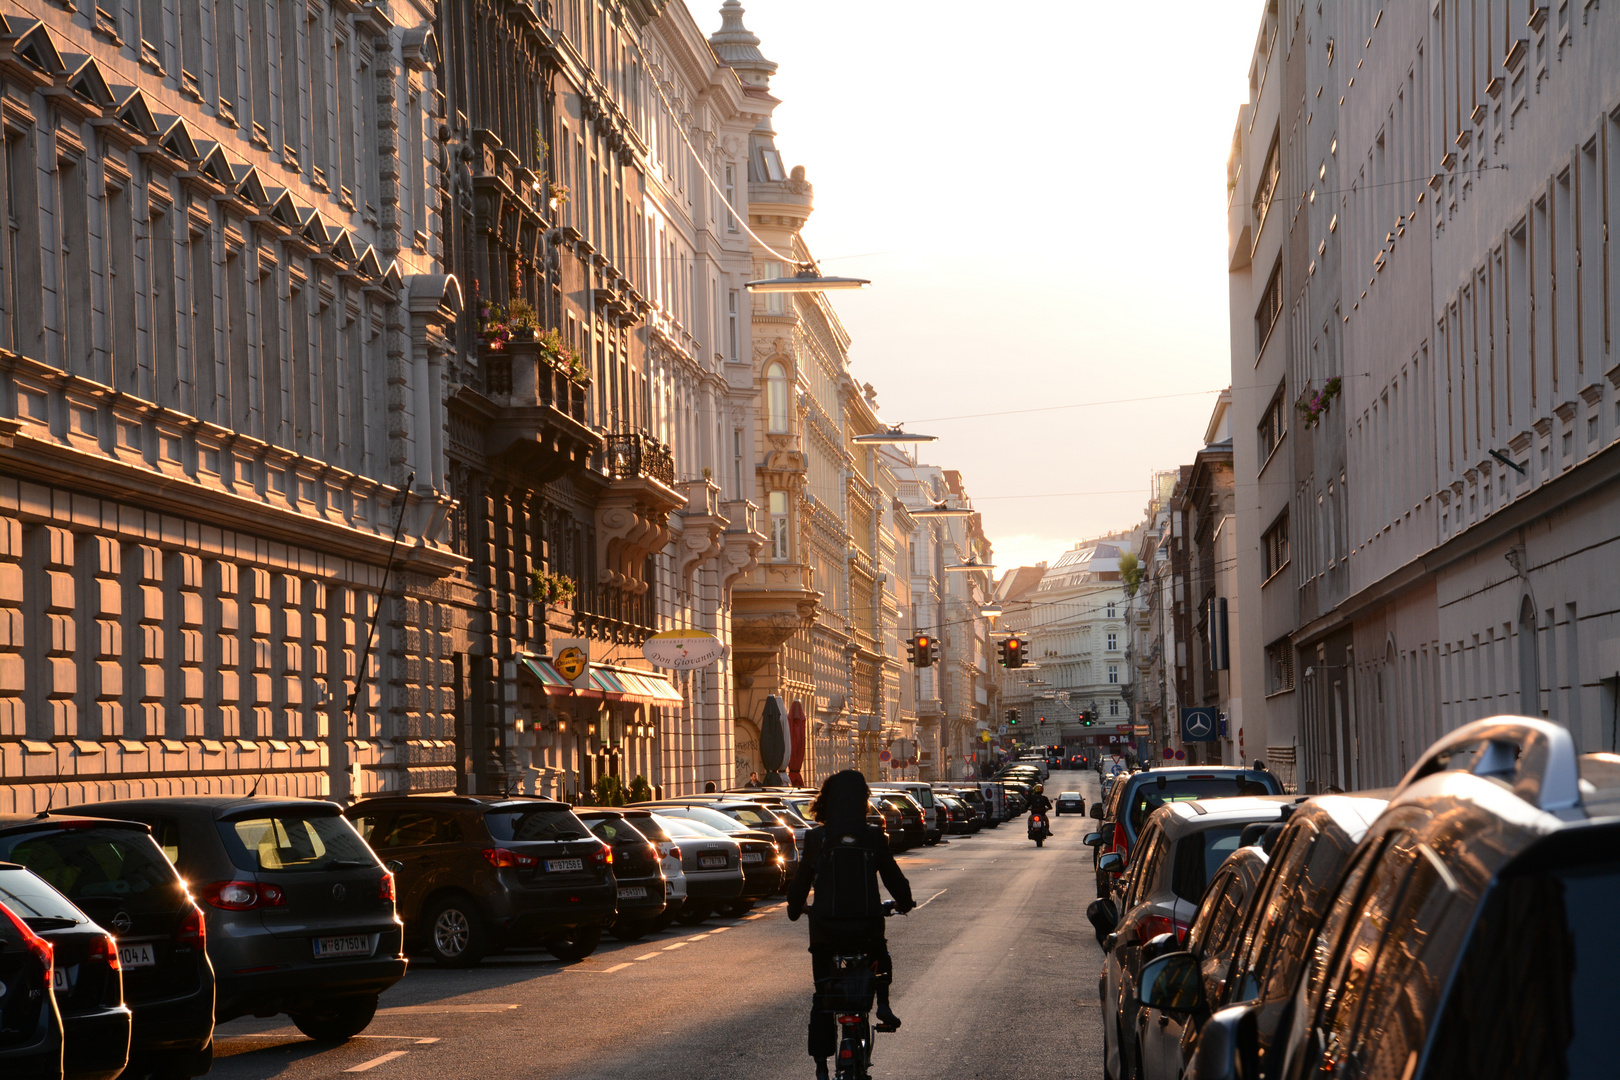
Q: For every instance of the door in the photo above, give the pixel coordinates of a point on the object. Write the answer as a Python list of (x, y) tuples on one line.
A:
[(419, 847)]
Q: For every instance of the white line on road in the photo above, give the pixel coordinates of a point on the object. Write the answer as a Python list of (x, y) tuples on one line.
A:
[(649, 956), (761, 915), (720, 930), (376, 1061), (615, 967), (418, 1010), (424, 1042), (931, 899), (677, 945)]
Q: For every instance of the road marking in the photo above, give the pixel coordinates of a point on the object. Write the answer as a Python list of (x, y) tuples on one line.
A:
[(759, 916), (677, 945), (424, 1042), (719, 930), (615, 967), (649, 956), (421, 1010), (931, 899), (376, 1061)]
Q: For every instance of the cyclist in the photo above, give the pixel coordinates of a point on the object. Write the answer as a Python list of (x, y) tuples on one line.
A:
[(848, 856)]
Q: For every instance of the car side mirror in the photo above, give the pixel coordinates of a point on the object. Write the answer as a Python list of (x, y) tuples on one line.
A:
[(1103, 916), (1171, 982), (1112, 863), (1159, 945), (1228, 1045), (1096, 811), (1093, 839)]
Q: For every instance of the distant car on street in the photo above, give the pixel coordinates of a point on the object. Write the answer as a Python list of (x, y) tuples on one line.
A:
[(712, 863), (299, 912), (640, 882), (1069, 802)]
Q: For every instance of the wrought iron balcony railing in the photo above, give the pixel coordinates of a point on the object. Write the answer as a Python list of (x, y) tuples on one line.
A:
[(635, 454)]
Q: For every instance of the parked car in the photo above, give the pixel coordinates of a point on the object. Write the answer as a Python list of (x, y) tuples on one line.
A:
[(669, 864), (1308, 856), (1471, 935), (960, 818), (117, 875), (30, 1023), (640, 883), (750, 815), (1136, 795), (1183, 844), (298, 911), (1069, 802), (922, 794), (912, 823), (764, 868), (479, 873), (712, 863), (972, 797), (87, 982), (1213, 938), (894, 825)]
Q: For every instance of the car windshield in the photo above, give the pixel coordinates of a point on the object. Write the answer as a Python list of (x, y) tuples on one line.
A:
[(36, 903), (1198, 857), (714, 819), (1149, 796), (614, 830), (681, 829), (535, 823), (648, 827), (117, 866), (294, 842), (755, 817)]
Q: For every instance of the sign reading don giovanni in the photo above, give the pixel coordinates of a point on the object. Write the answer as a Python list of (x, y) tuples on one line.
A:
[(683, 650)]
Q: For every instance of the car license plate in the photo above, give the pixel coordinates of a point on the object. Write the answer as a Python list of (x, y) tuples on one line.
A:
[(633, 892), (62, 978), (554, 866), (752, 856), (135, 956), (712, 862), (346, 945)]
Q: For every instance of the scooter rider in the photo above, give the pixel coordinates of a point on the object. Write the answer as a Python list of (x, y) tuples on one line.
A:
[(1038, 803)]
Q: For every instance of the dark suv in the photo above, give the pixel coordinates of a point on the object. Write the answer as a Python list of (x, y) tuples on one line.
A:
[(1471, 934), (642, 896), (117, 875), (299, 912), (1135, 796), (479, 873)]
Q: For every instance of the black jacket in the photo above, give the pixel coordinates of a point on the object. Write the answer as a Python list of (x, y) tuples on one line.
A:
[(828, 931), (1040, 802)]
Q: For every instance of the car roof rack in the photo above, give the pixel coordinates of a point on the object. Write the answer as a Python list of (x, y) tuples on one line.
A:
[(1535, 758)]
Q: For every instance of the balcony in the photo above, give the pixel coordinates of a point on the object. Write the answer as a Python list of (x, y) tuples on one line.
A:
[(637, 455), (777, 602), (538, 422), (632, 513)]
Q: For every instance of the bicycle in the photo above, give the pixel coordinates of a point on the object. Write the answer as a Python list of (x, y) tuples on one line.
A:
[(849, 994)]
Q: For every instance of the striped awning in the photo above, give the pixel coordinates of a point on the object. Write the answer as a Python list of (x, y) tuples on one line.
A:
[(606, 683)]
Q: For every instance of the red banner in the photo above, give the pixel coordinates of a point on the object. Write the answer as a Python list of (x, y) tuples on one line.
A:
[(796, 742)]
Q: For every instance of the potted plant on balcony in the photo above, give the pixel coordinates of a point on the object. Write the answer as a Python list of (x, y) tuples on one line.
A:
[(557, 194), (1313, 404), (551, 590), (578, 373), (521, 320), (492, 325)]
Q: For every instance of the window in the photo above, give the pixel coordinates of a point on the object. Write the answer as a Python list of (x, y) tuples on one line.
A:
[(1113, 641), (737, 462), (1110, 609), (732, 327), (1274, 546), (1113, 706), (772, 162), (776, 399), (775, 303), (731, 202), (1265, 316), (1273, 426), (1270, 176), (1279, 666), (294, 842), (1113, 673), (779, 526)]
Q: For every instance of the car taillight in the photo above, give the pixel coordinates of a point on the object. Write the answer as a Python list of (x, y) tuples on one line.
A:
[(385, 887), (193, 928), (42, 950), (1120, 844), (243, 895), (602, 856), (1154, 925), (105, 950), (675, 853), (500, 857)]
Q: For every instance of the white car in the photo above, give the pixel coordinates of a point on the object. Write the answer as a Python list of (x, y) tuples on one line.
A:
[(669, 863)]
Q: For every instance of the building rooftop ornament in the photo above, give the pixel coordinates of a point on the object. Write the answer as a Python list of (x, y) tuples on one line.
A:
[(738, 47)]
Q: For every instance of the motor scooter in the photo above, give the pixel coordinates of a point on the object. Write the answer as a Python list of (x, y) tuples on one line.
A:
[(1039, 828)]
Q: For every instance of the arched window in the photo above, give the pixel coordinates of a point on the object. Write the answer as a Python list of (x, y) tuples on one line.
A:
[(776, 399)]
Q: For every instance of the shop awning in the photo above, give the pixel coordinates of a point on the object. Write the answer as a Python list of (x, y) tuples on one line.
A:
[(606, 683)]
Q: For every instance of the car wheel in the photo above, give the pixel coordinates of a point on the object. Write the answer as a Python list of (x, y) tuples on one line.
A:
[(662, 922), (455, 933), (576, 944), (694, 913), (338, 1020), (631, 929), (738, 909)]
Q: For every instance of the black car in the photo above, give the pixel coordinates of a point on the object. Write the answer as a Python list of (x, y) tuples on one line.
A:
[(86, 979), (913, 825), (116, 874), (298, 912), (641, 892), (1069, 802), (765, 871), (30, 1023), (751, 815), (479, 873)]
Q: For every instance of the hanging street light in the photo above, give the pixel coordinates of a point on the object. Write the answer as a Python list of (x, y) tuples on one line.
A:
[(991, 611), (892, 437), (971, 565), (940, 510), (807, 279)]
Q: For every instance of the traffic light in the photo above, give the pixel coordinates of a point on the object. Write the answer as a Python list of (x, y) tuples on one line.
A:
[(1012, 716), (911, 651), (1012, 652), (1086, 719), (923, 649), (933, 650)]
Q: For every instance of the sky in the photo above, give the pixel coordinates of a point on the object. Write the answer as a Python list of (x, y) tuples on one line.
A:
[(1041, 206)]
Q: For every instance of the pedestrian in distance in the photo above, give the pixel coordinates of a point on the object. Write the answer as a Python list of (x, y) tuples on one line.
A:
[(753, 782), (843, 859)]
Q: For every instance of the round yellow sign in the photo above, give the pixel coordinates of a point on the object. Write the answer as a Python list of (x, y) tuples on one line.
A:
[(571, 663)]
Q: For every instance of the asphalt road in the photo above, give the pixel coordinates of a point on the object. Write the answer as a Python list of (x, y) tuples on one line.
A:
[(995, 977)]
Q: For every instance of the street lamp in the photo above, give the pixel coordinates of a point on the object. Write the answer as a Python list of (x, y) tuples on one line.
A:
[(991, 611), (970, 565), (940, 510), (892, 437), (807, 279)]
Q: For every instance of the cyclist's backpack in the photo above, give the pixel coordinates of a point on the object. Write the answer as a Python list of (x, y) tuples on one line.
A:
[(846, 880)]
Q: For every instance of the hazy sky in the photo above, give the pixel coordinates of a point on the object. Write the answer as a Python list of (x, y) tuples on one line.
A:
[(1037, 191)]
